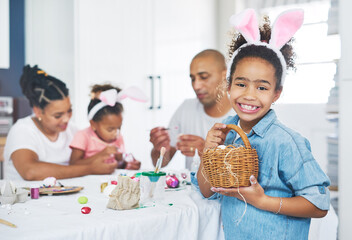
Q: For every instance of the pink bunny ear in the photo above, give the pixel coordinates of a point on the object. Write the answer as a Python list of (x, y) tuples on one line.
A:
[(134, 93), (109, 97), (285, 26), (246, 23)]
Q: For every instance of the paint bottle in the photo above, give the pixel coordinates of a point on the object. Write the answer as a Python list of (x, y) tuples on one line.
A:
[(34, 191)]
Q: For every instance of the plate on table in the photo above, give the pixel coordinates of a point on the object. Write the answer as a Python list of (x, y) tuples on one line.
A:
[(59, 190)]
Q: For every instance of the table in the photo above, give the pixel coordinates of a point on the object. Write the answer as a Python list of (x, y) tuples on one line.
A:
[(60, 217)]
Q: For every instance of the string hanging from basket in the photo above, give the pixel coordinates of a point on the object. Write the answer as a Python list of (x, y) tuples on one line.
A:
[(111, 97), (229, 169)]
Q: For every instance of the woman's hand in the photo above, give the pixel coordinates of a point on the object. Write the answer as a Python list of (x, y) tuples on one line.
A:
[(133, 165), (216, 136), (253, 194)]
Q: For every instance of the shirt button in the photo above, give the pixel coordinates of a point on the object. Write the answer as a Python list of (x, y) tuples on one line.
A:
[(322, 189)]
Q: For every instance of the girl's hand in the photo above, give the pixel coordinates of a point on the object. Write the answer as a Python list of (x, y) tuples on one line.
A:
[(100, 166), (110, 150), (254, 194), (108, 153), (216, 136)]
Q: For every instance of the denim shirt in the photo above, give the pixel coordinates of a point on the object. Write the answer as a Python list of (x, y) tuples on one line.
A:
[(286, 169)]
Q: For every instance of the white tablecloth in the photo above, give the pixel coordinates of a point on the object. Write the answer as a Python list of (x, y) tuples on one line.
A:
[(60, 217)]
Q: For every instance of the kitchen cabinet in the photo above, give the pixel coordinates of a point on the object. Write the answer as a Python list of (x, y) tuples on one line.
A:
[(148, 44)]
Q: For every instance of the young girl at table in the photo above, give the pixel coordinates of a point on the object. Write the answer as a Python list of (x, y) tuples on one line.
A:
[(291, 187), (103, 139)]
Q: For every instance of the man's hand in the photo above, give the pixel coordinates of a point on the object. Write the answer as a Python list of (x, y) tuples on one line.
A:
[(188, 144), (160, 137)]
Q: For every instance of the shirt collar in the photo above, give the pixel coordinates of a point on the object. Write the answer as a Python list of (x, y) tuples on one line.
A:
[(263, 125)]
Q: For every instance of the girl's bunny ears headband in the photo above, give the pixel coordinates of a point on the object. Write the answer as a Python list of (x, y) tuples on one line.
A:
[(111, 97), (285, 26)]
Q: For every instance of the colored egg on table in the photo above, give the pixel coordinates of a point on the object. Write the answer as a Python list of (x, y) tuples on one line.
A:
[(82, 200), (86, 210), (172, 181)]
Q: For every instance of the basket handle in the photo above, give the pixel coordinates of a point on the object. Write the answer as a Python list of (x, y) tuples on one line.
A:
[(240, 132)]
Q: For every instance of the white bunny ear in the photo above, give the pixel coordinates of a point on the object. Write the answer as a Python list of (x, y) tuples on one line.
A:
[(109, 97), (246, 23), (285, 26), (134, 93)]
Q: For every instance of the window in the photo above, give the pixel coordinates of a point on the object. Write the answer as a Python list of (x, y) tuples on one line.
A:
[(316, 55)]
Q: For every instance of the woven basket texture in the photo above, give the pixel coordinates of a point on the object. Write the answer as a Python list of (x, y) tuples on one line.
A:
[(231, 166)]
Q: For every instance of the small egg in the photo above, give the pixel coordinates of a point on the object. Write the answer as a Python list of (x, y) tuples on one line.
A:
[(86, 210), (82, 200)]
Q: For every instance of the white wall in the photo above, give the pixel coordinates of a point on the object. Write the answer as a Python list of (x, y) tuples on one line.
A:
[(310, 121), (345, 130), (49, 37)]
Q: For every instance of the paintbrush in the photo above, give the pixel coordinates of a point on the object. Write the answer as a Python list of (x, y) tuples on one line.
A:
[(157, 169), (160, 160), (165, 129), (7, 223)]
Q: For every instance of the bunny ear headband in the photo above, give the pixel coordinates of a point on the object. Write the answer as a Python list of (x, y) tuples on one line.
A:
[(111, 97), (285, 26)]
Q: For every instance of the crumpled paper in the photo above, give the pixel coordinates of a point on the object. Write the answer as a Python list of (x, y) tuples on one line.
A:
[(126, 194)]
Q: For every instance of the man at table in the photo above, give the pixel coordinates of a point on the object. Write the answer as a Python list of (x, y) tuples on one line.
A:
[(194, 117)]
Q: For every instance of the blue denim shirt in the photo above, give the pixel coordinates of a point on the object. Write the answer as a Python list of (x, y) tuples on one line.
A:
[(286, 169)]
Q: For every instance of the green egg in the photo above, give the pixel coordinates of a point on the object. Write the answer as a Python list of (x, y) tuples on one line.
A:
[(82, 200)]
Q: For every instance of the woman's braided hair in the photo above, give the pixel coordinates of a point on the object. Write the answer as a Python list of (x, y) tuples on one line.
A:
[(41, 88)]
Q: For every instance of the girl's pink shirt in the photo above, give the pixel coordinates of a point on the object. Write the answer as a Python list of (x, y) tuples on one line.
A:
[(88, 141)]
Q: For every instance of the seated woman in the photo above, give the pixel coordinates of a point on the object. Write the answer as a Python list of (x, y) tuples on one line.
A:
[(37, 146)]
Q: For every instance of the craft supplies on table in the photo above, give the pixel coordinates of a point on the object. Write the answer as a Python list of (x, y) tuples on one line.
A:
[(152, 187), (59, 216)]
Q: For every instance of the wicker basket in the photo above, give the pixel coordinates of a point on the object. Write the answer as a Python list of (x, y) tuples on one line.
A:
[(231, 166)]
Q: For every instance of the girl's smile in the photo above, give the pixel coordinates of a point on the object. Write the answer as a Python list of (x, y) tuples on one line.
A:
[(252, 90), (248, 108)]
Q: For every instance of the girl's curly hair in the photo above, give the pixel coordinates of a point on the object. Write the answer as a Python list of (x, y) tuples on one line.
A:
[(262, 52)]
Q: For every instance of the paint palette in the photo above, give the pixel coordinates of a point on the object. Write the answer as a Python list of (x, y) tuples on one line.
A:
[(59, 190)]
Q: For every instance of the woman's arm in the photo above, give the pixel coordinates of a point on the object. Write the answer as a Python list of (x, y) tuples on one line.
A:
[(30, 168)]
